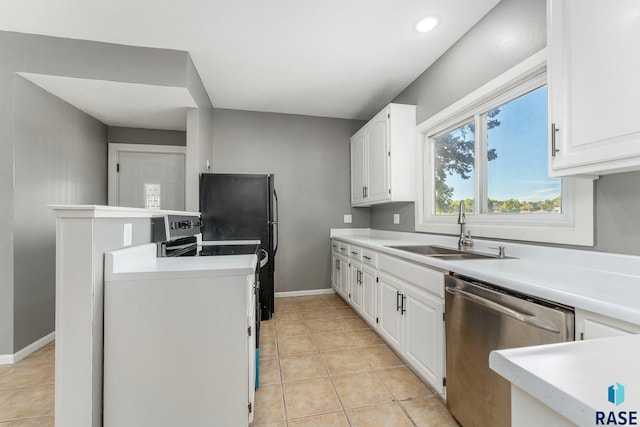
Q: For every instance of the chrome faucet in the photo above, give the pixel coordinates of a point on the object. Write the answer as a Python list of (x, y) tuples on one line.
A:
[(465, 240)]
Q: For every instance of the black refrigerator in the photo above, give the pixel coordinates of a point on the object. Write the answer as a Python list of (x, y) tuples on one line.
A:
[(243, 207)]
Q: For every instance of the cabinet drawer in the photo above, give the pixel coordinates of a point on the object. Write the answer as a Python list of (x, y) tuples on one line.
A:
[(370, 258), (335, 246), (423, 277), (355, 253), (343, 248)]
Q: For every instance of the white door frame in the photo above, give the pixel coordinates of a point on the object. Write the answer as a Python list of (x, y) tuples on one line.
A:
[(115, 148)]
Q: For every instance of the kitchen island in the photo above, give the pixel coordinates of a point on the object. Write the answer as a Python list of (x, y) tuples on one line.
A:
[(179, 339), (83, 234)]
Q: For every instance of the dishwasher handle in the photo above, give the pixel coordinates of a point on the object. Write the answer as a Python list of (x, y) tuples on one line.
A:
[(525, 318)]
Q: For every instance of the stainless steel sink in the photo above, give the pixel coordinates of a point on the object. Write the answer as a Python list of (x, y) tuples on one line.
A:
[(442, 252)]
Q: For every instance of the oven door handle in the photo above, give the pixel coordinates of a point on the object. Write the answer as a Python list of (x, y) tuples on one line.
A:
[(525, 318)]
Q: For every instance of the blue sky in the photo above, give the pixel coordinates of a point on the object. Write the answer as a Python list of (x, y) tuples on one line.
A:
[(520, 170)]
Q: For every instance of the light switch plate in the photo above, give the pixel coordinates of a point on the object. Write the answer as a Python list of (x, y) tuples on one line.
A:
[(348, 219), (127, 239), (396, 218)]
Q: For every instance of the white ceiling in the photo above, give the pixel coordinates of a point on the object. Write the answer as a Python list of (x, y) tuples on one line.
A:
[(336, 58), (122, 104)]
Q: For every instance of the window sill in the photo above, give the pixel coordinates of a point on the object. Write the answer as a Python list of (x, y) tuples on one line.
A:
[(578, 231)]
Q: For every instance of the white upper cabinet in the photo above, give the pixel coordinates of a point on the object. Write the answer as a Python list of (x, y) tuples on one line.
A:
[(382, 157), (594, 86), (358, 167)]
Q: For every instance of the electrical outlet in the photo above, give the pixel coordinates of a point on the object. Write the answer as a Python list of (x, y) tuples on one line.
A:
[(348, 219), (396, 218), (127, 238)]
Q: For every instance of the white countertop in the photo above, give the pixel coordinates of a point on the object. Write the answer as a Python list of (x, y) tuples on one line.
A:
[(102, 211), (141, 262), (573, 378), (607, 284)]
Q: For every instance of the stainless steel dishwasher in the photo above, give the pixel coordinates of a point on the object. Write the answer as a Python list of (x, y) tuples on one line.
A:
[(480, 318)]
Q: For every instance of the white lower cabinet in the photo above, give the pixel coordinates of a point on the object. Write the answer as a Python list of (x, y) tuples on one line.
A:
[(369, 311), (340, 275), (592, 326), (390, 317), (423, 344), (355, 277), (403, 301), (335, 273), (344, 277), (411, 321)]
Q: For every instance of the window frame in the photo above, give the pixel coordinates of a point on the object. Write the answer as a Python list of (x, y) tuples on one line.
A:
[(573, 226)]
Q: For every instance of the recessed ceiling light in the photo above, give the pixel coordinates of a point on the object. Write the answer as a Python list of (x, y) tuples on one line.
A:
[(426, 24)]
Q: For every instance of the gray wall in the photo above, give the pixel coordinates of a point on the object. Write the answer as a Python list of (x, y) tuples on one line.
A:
[(310, 159), (124, 135), (617, 206), (511, 32), (382, 216), (61, 158), (20, 300)]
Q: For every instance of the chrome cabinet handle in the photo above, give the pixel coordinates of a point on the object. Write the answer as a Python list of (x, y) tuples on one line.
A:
[(525, 318), (554, 129), (366, 257), (398, 300), (403, 309)]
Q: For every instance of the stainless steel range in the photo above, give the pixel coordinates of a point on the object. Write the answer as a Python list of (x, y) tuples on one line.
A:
[(180, 236)]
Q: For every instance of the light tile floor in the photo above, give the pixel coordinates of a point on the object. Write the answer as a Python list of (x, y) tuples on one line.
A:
[(27, 390), (321, 365)]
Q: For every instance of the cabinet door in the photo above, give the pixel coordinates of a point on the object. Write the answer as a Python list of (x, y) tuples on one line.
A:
[(369, 293), (335, 273), (358, 168), (389, 314), (592, 326), (377, 135), (423, 343), (344, 278), (593, 71), (355, 296), (594, 330)]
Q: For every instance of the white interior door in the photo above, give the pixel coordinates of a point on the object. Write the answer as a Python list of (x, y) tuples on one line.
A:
[(151, 180)]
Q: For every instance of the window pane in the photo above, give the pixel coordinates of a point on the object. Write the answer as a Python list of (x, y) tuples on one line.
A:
[(454, 173), (517, 178)]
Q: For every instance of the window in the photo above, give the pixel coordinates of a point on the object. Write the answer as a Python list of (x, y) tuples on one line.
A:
[(453, 170), (514, 163), (490, 149)]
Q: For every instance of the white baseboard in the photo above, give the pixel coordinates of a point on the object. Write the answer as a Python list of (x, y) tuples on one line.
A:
[(304, 293), (10, 359)]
